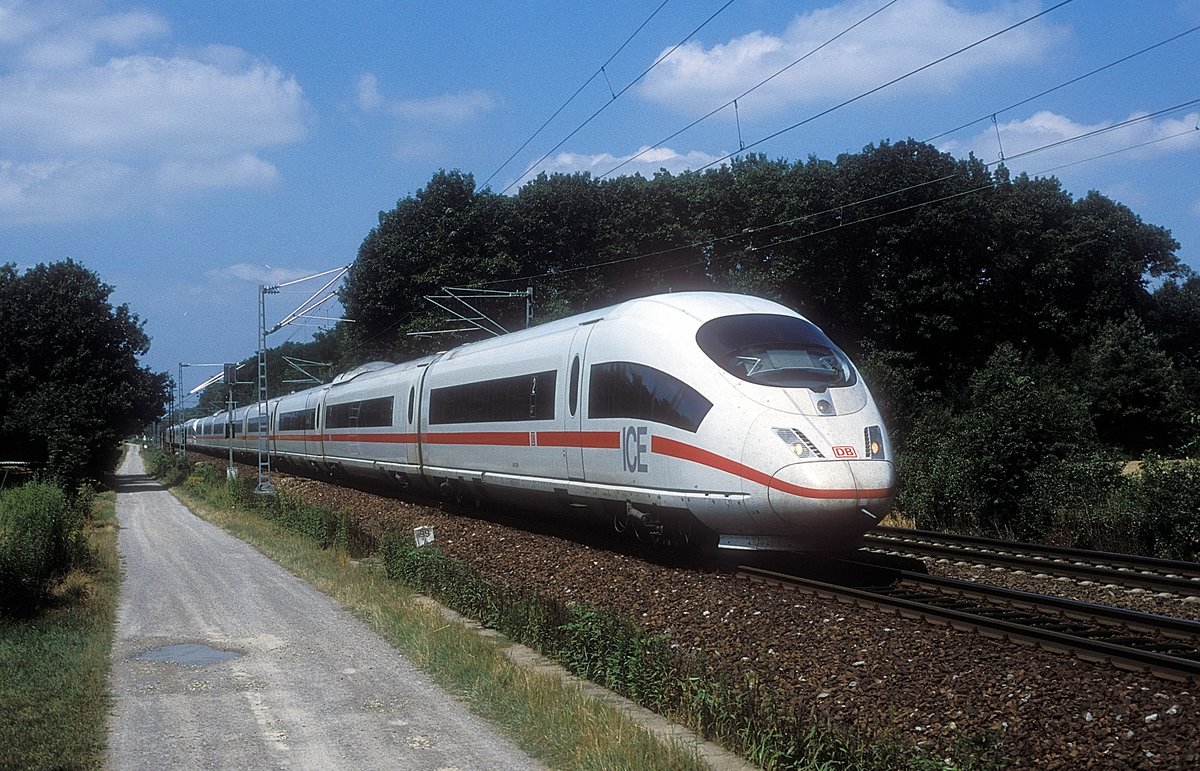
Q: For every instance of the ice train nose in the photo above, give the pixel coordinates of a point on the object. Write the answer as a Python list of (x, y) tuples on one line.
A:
[(832, 485)]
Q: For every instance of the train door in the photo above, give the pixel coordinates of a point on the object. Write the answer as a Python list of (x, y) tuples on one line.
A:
[(573, 415), (410, 414), (415, 407), (319, 436), (312, 436)]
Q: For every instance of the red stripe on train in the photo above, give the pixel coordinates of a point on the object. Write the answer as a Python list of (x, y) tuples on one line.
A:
[(676, 449)]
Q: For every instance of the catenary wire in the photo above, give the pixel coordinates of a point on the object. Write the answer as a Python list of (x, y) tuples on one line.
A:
[(630, 85), (891, 82), (1076, 138), (571, 98), (1185, 132), (1064, 84), (1070, 82), (748, 91), (1106, 129), (841, 207)]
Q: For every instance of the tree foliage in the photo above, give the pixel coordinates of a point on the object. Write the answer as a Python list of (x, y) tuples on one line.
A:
[(71, 386), (900, 251), (986, 462), (1046, 333)]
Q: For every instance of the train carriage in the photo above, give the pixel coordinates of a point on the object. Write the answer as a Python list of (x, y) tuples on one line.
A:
[(708, 413), (296, 427)]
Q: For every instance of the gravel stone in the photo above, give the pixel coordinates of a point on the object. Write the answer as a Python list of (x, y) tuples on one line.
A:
[(872, 671)]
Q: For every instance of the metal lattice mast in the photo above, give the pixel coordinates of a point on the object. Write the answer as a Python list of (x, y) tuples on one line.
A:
[(179, 421), (304, 311), (264, 419)]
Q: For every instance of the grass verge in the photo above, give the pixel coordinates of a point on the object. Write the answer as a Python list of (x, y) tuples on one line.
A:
[(552, 721), (54, 666)]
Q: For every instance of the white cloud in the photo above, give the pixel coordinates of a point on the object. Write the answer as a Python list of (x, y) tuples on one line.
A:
[(95, 127), (244, 171), (56, 35), (445, 110), (256, 274), (648, 162), (146, 105), (899, 39), (366, 92), (46, 191), (1142, 140), (425, 125)]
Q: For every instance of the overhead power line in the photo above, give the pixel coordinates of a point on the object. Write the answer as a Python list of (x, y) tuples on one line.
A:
[(852, 204), (1070, 82), (749, 91), (578, 91), (630, 85), (1176, 135), (1106, 129), (891, 82)]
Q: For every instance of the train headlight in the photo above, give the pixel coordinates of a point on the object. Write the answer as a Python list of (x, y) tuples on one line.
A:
[(874, 439), (798, 443)]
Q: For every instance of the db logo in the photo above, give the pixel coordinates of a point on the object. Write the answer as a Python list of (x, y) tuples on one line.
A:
[(845, 452)]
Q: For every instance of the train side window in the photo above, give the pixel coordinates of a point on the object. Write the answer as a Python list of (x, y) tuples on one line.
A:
[(574, 390), (368, 413), (622, 389), (412, 398), (298, 420), (519, 398)]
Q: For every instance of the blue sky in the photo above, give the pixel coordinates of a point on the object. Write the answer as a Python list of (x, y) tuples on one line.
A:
[(188, 152)]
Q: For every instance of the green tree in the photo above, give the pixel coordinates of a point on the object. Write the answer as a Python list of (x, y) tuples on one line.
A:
[(71, 386), (1135, 396), (982, 466), (447, 234), (283, 377)]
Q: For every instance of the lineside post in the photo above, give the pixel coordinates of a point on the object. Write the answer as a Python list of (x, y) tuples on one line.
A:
[(264, 419)]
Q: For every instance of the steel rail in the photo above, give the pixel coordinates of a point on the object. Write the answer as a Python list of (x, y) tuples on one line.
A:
[(1132, 561), (1136, 620), (1174, 576), (1166, 665)]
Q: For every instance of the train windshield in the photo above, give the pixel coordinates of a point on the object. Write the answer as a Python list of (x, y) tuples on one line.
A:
[(782, 351)]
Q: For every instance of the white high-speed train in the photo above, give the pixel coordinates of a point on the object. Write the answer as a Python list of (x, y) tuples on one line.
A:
[(705, 415)]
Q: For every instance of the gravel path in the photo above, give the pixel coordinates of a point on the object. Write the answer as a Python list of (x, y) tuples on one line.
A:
[(871, 670), (224, 660)]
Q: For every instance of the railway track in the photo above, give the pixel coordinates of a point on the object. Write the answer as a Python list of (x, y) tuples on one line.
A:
[(1157, 575), (1164, 646)]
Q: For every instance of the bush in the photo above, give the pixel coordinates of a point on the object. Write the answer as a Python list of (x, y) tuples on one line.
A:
[(326, 527), (593, 642), (980, 468), (447, 580), (1160, 507), (40, 538), (168, 468)]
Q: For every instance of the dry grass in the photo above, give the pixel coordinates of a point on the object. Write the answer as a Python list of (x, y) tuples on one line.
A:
[(551, 720)]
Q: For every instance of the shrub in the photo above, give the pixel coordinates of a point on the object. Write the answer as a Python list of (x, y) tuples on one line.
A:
[(1161, 506), (980, 468), (325, 527), (594, 643), (169, 468), (40, 538)]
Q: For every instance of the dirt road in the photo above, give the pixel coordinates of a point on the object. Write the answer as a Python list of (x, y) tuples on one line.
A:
[(223, 659)]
